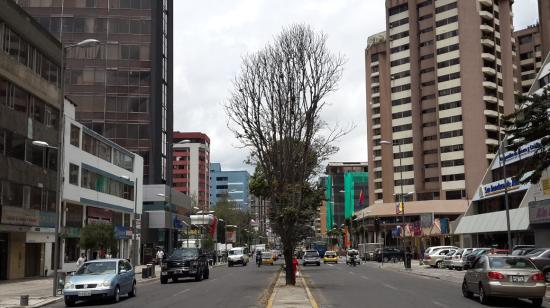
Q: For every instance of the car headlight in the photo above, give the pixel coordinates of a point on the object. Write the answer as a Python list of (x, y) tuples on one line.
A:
[(69, 285), (106, 283)]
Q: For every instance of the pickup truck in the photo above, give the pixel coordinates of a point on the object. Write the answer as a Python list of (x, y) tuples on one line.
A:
[(185, 262)]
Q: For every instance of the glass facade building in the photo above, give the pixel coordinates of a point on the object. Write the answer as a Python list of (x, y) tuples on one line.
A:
[(123, 86)]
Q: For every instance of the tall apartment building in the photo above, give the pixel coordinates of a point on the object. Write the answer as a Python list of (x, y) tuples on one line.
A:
[(532, 45), (437, 80), (191, 163), (123, 87)]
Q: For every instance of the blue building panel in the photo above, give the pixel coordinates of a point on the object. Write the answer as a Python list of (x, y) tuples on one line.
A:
[(232, 185)]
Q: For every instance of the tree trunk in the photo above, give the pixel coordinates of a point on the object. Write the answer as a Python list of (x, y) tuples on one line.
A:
[(289, 271)]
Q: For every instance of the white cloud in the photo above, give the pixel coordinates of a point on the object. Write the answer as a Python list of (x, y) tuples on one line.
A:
[(210, 37)]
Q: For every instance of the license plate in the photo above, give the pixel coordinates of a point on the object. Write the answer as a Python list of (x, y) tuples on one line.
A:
[(179, 271), (517, 279), (85, 293)]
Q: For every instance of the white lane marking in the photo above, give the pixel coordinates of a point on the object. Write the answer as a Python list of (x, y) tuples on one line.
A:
[(365, 277), (440, 304), (389, 286), (181, 292), (330, 264), (352, 273)]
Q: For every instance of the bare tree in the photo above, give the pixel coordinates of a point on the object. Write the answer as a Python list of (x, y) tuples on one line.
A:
[(274, 110)]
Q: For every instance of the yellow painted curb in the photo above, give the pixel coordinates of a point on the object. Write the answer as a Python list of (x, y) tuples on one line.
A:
[(272, 296), (309, 295)]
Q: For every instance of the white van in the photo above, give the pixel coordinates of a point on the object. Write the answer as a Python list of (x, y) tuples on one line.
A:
[(237, 255)]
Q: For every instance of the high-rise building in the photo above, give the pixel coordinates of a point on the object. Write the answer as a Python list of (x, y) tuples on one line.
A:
[(122, 87), (30, 99), (229, 185), (437, 79), (532, 44), (191, 166)]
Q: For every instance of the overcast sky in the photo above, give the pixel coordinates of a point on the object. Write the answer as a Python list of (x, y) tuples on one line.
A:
[(211, 36)]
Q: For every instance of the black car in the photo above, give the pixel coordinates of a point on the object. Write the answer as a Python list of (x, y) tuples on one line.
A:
[(388, 254), (185, 262)]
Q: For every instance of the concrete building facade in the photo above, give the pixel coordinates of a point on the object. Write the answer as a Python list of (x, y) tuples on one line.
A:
[(437, 80), (30, 99), (123, 87), (191, 162)]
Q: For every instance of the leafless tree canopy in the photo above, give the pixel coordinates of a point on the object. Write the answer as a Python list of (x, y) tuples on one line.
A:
[(274, 110)]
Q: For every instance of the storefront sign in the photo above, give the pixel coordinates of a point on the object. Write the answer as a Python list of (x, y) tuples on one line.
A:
[(539, 211), (521, 153), (19, 216), (510, 184), (123, 233), (545, 183)]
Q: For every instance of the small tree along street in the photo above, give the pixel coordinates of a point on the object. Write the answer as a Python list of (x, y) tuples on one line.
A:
[(274, 111), (98, 237)]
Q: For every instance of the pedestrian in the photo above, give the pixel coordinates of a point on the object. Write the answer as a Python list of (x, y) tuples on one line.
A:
[(80, 260), (160, 256), (215, 256)]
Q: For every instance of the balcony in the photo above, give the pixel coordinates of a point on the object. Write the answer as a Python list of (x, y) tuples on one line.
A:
[(491, 141), (490, 113), (488, 56), (486, 28), (489, 84), (486, 15), (487, 41), (492, 127), (488, 70), (486, 2), (490, 156)]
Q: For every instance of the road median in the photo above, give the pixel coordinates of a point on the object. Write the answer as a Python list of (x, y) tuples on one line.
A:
[(298, 296)]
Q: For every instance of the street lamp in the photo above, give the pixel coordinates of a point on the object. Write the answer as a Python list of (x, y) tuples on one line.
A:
[(134, 221), (61, 135)]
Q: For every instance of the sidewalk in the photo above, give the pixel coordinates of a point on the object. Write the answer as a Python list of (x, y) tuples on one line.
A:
[(40, 290), (297, 296)]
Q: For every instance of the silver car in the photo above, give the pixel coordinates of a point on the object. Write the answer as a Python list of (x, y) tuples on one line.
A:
[(504, 276), (103, 279)]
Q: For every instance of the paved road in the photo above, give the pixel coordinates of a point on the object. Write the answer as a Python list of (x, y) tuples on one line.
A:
[(227, 287), (367, 285)]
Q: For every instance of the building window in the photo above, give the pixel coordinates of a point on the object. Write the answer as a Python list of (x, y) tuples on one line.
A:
[(455, 194), (452, 177), (73, 174), (75, 135)]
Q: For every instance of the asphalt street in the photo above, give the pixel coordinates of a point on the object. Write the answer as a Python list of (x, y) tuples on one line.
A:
[(227, 287), (367, 285)]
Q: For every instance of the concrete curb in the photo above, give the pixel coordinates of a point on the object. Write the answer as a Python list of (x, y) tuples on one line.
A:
[(272, 289), (308, 292)]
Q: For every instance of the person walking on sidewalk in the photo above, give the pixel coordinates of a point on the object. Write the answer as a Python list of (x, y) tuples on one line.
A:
[(160, 256), (80, 260)]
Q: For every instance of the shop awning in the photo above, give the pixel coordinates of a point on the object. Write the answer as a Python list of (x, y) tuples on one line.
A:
[(494, 222)]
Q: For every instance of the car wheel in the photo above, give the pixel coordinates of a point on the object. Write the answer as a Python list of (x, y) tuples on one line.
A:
[(483, 298), (206, 274), (385, 260), (133, 293), (198, 277), (69, 302), (163, 280), (537, 302), (547, 275), (318, 263), (465, 292), (229, 264), (245, 263), (439, 264), (116, 295)]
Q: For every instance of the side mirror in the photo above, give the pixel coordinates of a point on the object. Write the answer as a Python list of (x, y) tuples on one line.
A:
[(122, 271)]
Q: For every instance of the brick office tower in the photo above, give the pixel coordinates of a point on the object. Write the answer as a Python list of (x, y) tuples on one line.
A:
[(192, 166), (437, 80), (123, 87)]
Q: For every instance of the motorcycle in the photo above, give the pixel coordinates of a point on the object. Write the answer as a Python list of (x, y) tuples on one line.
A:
[(259, 261), (353, 261)]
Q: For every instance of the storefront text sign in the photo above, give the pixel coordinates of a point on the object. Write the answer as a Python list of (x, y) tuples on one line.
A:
[(19, 216), (539, 211)]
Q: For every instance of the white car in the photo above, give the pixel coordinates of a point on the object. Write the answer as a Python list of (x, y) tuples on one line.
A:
[(431, 249), (237, 255)]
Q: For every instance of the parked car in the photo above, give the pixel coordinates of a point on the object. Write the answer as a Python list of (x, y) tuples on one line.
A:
[(469, 260), (103, 279), (459, 257), (521, 250), (238, 255), (185, 262), (448, 259), (541, 258), (330, 257), (504, 276), (388, 254), (311, 257), (431, 249), (436, 258), (267, 257)]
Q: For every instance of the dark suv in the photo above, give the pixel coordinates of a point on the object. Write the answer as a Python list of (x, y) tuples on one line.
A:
[(388, 254), (185, 262)]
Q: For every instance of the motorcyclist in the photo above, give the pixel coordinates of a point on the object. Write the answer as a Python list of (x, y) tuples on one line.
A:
[(258, 258)]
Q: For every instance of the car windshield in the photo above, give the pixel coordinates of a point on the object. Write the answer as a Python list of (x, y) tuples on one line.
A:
[(312, 254), (535, 252), (185, 253), (510, 263), (97, 268), (235, 252), (330, 254), (266, 254)]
